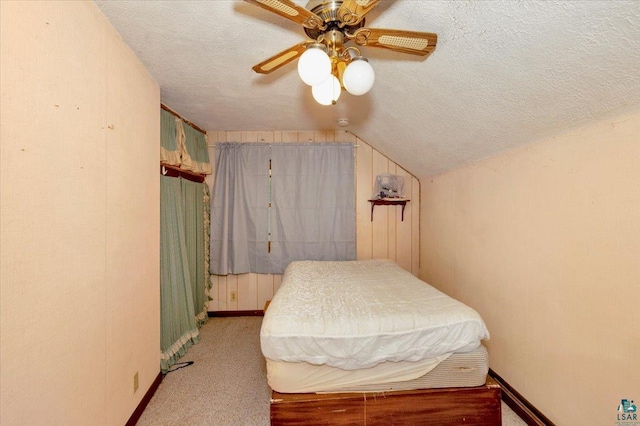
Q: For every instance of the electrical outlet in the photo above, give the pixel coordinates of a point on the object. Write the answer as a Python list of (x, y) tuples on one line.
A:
[(135, 382), (234, 296)]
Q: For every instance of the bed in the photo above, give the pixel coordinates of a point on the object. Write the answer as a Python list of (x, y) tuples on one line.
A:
[(365, 342)]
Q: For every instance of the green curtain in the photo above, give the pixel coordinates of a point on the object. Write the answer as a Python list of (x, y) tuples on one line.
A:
[(182, 145), (194, 151), (196, 215), (170, 143), (177, 316), (184, 239)]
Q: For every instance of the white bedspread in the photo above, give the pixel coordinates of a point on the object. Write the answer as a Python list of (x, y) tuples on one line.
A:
[(357, 314)]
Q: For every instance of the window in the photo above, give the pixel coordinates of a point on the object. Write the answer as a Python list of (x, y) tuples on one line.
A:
[(275, 203)]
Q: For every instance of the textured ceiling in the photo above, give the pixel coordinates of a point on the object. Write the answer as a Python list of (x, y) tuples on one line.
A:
[(504, 73)]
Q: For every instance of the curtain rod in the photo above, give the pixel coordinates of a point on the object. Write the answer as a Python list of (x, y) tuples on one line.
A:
[(176, 171), (212, 145), (170, 111)]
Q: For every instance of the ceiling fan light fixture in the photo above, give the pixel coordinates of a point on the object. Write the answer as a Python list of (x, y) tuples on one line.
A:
[(327, 92), (314, 65), (359, 76), (324, 62)]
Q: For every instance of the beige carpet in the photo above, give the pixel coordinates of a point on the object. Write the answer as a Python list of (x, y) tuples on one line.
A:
[(226, 384)]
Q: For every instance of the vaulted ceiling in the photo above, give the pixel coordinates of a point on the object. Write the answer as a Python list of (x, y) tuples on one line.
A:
[(504, 73)]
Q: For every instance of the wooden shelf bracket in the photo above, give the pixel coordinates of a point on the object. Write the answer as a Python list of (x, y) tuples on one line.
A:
[(388, 202)]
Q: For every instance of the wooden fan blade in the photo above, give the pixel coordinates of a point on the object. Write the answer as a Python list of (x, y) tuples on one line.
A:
[(412, 42), (281, 59), (292, 11), (351, 12)]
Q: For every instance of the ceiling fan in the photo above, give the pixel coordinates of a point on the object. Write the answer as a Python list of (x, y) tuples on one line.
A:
[(324, 61)]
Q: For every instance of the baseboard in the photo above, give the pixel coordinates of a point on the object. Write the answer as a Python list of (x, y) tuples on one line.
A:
[(257, 313), (145, 401), (523, 408)]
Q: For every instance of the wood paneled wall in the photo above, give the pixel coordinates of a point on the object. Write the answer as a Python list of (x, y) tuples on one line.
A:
[(384, 237)]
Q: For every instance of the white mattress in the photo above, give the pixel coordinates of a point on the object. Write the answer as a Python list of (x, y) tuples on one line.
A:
[(357, 314), (466, 369)]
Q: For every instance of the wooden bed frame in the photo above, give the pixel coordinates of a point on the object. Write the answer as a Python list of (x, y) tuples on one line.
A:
[(451, 406)]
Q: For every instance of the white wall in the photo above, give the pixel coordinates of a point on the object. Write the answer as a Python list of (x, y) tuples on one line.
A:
[(544, 242), (79, 225)]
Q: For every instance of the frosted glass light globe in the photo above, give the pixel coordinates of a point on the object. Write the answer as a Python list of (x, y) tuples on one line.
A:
[(327, 92), (314, 65), (358, 78)]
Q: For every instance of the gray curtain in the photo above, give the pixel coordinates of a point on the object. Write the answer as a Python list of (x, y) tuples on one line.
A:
[(177, 316), (314, 212), (312, 194), (239, 208)]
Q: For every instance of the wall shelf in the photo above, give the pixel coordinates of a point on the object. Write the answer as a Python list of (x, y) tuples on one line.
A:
[(389, 202)]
